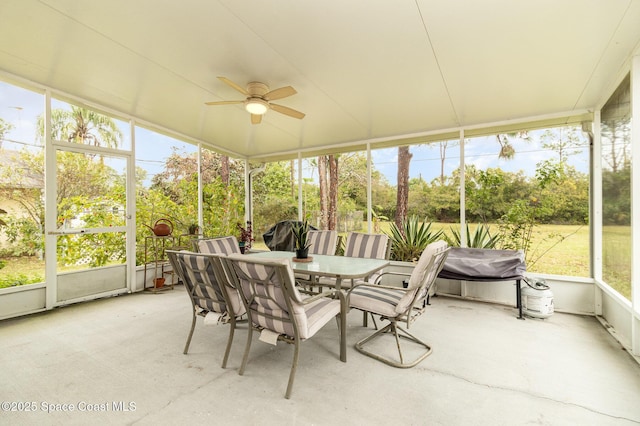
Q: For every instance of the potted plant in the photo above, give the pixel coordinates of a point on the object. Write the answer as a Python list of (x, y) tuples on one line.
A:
[(158, 282), (245, 238), (193, 229), (301, 234)]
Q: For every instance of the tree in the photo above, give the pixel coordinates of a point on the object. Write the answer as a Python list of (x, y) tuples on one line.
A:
[(4, 129), (507, 151), (222, 192), (328, 179), (272, 199), (616, 126), (323, 181), (23, 183), (402, 200), (616, 134), (82, 126), (81, 182), (443, 145), (84, 184), (224, 169), (564, 141)]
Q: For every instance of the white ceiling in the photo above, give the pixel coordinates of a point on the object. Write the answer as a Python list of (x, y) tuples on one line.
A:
[(364, 70)]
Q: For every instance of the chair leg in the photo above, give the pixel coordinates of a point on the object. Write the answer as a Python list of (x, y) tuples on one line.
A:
[(398, 333), (229, 342), (193, 326), (294, 367), (394, 328), (342, 325), (343, 336), (365, 320), (245, 357)]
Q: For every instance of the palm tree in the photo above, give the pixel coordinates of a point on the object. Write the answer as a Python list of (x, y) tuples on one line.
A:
[(82, 126), (507, 151)]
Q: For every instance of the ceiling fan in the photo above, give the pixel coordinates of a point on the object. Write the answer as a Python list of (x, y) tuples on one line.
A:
[(259, 99)]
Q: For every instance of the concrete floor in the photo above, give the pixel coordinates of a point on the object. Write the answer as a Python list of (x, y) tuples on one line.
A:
[(124, 355)]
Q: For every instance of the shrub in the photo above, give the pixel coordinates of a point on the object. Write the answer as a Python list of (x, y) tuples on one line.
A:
[(480, 238), (409, 241), (14, 280)]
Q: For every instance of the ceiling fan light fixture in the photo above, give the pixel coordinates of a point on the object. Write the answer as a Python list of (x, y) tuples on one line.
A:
[(258, 98), (256, 106)]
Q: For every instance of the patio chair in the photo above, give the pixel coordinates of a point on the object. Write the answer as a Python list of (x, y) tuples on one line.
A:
[(400, 305), (368, 246), (209, 291), (278, 310), (224, 245), (323, 242)]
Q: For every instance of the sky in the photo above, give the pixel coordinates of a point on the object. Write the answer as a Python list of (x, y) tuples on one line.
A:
[(22, 107)]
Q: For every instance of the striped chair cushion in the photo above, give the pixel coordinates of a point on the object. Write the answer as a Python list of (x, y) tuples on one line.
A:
[(421, 272), (223, 245), (323, 242), (176, 265), (393, 302), (377, 300), (202, 282), (370, 246), (260, 284), (424, 274), (315, 316)]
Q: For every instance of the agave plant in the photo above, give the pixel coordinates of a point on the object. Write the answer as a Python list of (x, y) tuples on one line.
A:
[(410, 239), (301, 236), (481, 238)]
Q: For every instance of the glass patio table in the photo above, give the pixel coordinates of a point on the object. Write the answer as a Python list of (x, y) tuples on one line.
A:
[(338, 267)]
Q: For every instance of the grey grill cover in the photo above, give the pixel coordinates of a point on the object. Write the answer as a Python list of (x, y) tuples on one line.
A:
[(483, 264), (280, 237)]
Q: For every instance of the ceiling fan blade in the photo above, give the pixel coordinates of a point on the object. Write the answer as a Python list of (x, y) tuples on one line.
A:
[(287, 111), (256, 118), (234, 85), (280, 93), (223, 102)]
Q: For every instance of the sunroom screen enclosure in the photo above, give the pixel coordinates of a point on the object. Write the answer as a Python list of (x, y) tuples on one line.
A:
[(409, 85)]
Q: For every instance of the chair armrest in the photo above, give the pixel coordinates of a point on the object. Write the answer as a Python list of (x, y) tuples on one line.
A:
[(366, 284), (403, 274)]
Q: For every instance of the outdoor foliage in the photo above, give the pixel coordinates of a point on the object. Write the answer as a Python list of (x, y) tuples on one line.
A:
[(517, 224), (273, 197), (91, 193), (24, 237), (480, 238), (301, 234), (616, 195), (410, 239), (17, 279)]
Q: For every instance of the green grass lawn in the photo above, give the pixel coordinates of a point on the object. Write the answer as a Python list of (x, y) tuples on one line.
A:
[(616, 258)]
